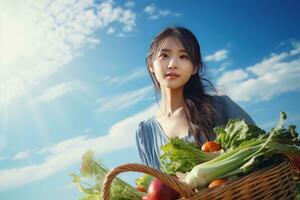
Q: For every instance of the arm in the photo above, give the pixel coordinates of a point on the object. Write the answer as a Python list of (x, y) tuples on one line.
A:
[(141, 144)]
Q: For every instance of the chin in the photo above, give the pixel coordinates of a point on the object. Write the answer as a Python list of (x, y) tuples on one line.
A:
[(173, 86)]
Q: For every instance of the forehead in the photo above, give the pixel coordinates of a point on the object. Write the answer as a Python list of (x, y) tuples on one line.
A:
[(171, 43)]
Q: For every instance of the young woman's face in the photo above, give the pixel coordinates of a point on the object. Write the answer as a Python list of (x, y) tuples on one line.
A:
[(171, 65)]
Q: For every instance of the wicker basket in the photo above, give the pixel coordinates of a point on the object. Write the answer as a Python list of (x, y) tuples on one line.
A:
[(274, 182)]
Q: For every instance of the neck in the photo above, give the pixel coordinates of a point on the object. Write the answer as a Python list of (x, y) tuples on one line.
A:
[(172, 102)]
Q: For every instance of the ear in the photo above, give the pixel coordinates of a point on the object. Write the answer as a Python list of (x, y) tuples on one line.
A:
[(151, 68), (195, 70)]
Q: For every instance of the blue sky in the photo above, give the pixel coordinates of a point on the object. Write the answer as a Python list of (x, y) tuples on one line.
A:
[(73, 77)]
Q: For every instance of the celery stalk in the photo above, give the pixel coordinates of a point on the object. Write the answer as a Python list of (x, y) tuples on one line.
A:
[(204, 173)]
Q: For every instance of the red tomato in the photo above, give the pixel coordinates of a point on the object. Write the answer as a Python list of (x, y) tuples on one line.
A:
[(210, 146), (217, 182), (141, 188)]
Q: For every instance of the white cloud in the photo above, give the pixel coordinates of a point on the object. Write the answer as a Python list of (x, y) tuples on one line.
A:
[(22, 155), (154, 13), (164, 12), (68, 152), (296, 49), (234, 76), (123, 100), (59, 90), (110, 80), (109, 14), (263, 67), (133, 75), (217, 56), (214, 70), (274, 75), (129, 4), (40, 37), (110, 30), (150, 9)]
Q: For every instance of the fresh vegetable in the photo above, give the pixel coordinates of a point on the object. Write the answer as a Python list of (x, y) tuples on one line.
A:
[(143, 182), (298, 190), (158, 191), (217, 182), (119, 190), (204, 173), (141, 188), (242, 156), (296, 163), (211, 146), (236, 132), (181, 156)]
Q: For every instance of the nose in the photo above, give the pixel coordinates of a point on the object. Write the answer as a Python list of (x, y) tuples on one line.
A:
[(172, 63)]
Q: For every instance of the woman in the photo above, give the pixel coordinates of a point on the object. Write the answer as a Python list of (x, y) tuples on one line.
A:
[(186, 109)]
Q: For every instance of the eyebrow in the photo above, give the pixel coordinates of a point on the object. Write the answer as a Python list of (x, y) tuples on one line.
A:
[(168, 50)]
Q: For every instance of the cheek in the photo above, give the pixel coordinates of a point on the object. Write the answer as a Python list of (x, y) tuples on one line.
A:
[(158, 67), (188, 69), (187, 73), (159, 76), (186, 78)]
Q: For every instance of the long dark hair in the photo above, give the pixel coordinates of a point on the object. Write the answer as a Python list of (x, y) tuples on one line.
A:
[(198, 105)]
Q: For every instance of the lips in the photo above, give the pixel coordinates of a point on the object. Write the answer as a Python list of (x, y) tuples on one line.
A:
[(172, 74)]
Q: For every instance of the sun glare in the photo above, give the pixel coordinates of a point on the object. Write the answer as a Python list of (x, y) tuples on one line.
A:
[(14, 36)]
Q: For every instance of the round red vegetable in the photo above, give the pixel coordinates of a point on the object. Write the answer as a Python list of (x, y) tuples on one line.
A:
[(217, 182), (210, 146), (157, 191), (141, 188)]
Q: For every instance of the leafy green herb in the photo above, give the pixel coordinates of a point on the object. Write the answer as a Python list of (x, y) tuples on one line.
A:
[(182, 156), (236, 132), (144, 181), (119, 190)]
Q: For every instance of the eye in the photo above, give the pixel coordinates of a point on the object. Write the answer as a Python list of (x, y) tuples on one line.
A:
[(163, 55), (185, 57)]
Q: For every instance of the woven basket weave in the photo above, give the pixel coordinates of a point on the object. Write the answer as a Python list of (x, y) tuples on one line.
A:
[(274, 182)]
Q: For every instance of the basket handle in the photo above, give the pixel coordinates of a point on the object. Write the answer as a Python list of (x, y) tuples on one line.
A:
[(168, 180)]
